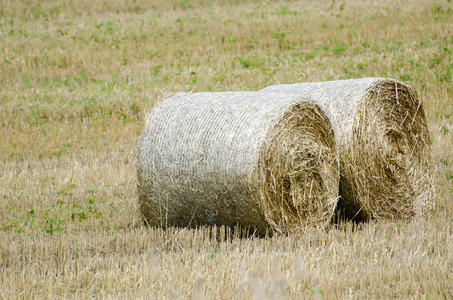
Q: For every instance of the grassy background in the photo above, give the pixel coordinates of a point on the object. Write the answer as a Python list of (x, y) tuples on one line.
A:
[(76, 78)]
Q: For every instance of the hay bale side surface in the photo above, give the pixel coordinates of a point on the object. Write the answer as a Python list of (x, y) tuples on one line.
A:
[(237, 158), (383, 141)]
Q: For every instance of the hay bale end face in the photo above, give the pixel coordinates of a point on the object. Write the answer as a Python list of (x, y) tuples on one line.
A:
[(383, 142), (238, 158)]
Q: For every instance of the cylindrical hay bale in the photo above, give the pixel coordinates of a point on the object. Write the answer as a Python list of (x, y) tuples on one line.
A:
[(238, 158), (383, 144)]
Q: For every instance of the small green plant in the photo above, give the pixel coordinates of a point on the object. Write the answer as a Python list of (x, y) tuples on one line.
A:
[(437, 8), (183, 3), (279, 36), (405, 77), (52, 225), (90, 210), (339, 47), (109, 228), (14, 154), (317, 291), (80, 215), (366, 44), (247, 62), (112, 206), (65, 148), (284, 11), (62, 192), (10, 226), (447, 75), (156, 70), (30, 216), (434, 61), (361, 66)]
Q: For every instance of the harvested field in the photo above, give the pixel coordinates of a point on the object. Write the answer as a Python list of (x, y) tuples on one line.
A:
[(76, 81)]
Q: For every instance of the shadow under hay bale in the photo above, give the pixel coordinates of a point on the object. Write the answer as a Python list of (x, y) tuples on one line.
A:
[(383, 144), (238, 158)]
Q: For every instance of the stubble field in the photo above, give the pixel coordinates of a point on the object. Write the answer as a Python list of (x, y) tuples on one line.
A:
[(76, 79)]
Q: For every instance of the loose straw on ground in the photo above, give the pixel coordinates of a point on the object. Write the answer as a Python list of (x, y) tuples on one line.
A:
[(383, 142), (238, 158)]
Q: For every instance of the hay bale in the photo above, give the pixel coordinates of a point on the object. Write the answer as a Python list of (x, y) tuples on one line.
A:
[(384, 145), (233, 158)]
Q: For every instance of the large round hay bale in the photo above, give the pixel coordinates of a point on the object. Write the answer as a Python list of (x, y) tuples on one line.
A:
[(384, 145), (238, 158)]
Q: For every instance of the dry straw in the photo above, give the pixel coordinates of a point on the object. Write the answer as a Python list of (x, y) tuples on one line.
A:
[(232, 158), (383, 141)]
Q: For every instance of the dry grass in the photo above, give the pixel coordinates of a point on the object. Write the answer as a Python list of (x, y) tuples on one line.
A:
[(75, 80)]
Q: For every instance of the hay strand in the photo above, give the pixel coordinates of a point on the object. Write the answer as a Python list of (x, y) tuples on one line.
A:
[(383, 141), (234, 158)]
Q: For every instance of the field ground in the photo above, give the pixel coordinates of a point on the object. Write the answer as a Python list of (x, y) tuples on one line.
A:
[(76, 78)]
